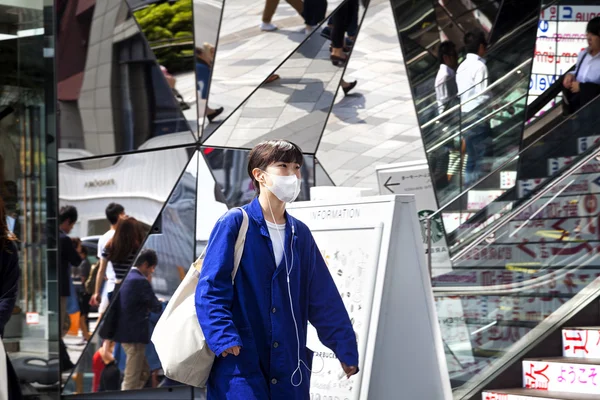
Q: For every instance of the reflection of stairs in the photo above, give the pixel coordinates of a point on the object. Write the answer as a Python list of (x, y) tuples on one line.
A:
[(575, 376)]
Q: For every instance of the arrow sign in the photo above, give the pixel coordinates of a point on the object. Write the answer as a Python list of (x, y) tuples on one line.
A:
[(387, 184)]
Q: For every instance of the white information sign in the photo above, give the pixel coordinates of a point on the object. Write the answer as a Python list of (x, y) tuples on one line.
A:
[(414, 178), (372, 249)]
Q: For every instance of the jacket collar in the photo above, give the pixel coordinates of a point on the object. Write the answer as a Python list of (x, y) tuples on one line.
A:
[(254, 211)]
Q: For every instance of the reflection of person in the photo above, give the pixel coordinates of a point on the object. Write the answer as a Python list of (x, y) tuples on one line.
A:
[(136, 299), (113, 213), (82, 273), (102, 357), (269, 11), (342, 19), (67, 217), (258, 335), (205, 57), (9, 284), (445, 80), (472, 81), (583, 85), (120, 251)]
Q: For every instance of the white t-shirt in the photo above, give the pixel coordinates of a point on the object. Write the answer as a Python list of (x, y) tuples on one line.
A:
[(277, 233), (110, 272)]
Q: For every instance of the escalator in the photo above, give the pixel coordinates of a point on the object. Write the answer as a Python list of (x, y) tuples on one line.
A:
[(527, 268)]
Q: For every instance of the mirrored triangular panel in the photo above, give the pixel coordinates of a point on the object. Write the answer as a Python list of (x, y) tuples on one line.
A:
[(211, 204), (229, 168), (207, 21), (169, 30), (321, 176), (112, 95), (295, 106), (246, 55), (140, 183), (375, 123)]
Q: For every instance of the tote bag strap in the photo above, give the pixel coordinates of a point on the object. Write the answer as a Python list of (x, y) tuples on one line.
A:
[(239, 244)]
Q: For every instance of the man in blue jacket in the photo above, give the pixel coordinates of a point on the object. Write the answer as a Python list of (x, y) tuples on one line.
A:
[(136, 300)]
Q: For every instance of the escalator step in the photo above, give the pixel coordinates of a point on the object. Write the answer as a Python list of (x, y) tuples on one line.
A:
[(534, 394)]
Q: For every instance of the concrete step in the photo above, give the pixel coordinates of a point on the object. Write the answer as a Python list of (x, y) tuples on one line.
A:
[(533, 394), (563, 374), (581, 342)]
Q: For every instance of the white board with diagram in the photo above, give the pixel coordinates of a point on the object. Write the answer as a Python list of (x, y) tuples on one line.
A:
[(351, 254)]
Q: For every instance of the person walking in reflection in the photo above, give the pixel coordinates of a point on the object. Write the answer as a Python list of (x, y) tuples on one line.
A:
[(67, 217), (136, 300), (113, 213), (257, 325), (205, 58), (81, 274), (342, 19), (270, 8), (9, 285), (583, 85), (120, 251), (445, 80), (472, 82)]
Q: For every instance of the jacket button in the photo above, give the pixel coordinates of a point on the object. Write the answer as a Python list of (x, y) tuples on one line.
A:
[(276, 345), (273, 310), (274, 381)]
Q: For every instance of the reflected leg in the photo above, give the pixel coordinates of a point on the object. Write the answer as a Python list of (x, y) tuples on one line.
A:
[(298, 5), (269, 11), (136, 366)]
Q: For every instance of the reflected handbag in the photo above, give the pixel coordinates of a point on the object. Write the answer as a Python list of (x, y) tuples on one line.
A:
[(178, 337)]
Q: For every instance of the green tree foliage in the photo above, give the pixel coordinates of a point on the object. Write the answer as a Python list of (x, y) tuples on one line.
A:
[(169, 29)]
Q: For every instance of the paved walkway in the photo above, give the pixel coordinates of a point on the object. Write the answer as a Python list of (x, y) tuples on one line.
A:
[(377, 124)]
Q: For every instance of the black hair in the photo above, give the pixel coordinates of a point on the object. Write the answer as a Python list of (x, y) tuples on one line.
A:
[(272, 151), (67, 213), (446, 48), (473, 39), (147, 256), (593, 26), (113, 212)]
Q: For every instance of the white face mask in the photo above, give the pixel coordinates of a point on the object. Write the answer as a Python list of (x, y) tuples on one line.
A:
[(285, 188)]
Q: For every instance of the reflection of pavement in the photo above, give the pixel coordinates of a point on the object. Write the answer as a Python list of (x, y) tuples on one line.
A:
[(377, 125), (246, 56)]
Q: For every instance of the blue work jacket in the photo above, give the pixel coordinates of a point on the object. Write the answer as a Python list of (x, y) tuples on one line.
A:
[(255, 313)]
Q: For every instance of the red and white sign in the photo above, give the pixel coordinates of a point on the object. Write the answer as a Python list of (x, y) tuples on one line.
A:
[(556, 164), (508, 179), (580, 184), (478, 199), (32, 318), (561, 377), (584, 143), (505, 396), (562, 207), (553, 230), (581, 343)]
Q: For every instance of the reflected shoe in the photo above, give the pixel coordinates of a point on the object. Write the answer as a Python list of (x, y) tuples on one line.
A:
[(214, 115), (348, 88), (267, 27), (309, 29), (326, 33), (338, 61)]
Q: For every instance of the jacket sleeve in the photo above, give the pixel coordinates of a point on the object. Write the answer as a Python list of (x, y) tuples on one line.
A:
[(327, 313), (9, 283), (149, 297), (214, 292), (69, 252)]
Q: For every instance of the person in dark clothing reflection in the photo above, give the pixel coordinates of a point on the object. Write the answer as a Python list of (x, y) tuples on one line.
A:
[(135, 301), (9, 284), (583, 84), (67, 217)]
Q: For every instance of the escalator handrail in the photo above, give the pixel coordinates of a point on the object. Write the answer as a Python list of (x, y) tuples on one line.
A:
[(546, 97), (477, 122), (538, 193), (487, 90), (505, 164)]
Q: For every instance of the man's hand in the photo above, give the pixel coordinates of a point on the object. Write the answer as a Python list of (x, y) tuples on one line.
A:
[(349, 370), (235, 350), (95, 300), (568, 80), (575, 87)]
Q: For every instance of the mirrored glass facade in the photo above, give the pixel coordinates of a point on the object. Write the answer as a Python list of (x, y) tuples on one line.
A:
[(146, 111)]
